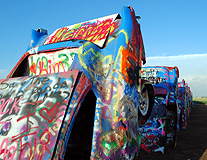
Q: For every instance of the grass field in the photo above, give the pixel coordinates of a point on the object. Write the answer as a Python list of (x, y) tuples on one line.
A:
[(200, 100)]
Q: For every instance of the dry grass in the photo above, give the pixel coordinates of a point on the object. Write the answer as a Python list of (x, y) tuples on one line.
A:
[(200, 100)]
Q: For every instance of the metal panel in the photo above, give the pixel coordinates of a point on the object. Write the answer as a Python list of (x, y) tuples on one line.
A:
[(31, 114), (95, 31)]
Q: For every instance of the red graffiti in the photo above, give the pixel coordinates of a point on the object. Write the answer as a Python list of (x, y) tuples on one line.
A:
[(43, 141), (33, 68), (88, 31), (46, 68), (50, 113), (7, 151)]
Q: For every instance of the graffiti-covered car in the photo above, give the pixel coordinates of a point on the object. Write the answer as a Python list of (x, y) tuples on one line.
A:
[(181, 99), (189, 98), (184, 99), (161, 127), (77, 92)]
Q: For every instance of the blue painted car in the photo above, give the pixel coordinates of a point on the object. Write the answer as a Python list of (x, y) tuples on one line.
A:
[(161, 128)]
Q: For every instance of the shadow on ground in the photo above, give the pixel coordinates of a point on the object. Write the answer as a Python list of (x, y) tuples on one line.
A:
[(198, 102)]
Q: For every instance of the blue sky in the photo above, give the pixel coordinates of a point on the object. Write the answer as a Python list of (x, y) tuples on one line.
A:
[(174, 31)]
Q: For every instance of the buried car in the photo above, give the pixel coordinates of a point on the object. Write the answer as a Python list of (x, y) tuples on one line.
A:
[(184, 99), (189, 98), (161, 128), (76, 93), (181, 99)]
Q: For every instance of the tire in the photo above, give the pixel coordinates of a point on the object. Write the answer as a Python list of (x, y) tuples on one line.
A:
[(171, 125), (145, 105)]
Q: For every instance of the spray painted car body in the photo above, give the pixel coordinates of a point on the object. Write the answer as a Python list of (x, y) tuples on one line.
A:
[(153, 131), (184, 99), (75, 93), (162, 125), (181, 98), (189, 98)]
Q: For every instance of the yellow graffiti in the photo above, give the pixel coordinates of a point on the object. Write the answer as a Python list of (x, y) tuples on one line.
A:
[(121, 31), (81, 54), (101, 68), (54, 128), (28, 152)]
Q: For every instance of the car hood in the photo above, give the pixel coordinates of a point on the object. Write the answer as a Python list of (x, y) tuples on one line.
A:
[(36, 112)]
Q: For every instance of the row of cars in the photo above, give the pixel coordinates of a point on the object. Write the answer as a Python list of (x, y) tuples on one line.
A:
[(81, 92), (172, 105)]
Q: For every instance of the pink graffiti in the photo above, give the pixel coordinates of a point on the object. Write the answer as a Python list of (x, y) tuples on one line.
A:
[(4, 103)]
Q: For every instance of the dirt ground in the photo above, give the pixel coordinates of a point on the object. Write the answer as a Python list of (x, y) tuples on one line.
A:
[(191, 142)]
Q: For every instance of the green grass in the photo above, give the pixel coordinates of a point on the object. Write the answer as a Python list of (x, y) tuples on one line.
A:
[(200, 100)]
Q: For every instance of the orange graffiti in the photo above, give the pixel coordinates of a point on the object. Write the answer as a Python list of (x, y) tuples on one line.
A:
[(128, 58)]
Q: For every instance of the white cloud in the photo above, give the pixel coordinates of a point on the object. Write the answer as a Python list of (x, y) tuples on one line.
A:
[(192, 68), (179, 57)]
